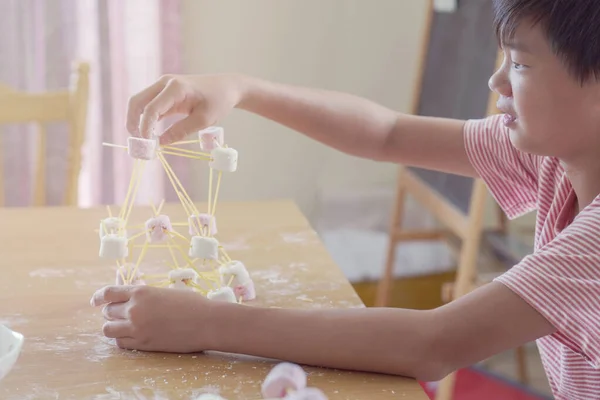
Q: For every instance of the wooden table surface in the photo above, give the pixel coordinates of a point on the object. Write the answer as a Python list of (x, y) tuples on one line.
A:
[(50, 267)]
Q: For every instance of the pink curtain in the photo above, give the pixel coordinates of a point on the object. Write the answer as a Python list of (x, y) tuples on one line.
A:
[(129, 44)]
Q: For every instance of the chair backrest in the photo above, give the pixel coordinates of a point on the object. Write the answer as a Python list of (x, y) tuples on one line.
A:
[(69, 105)]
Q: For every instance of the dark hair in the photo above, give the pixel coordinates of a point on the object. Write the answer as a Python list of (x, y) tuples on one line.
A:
[(572, 28)]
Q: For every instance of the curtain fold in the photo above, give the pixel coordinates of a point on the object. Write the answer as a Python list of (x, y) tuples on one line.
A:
[(128, 44)]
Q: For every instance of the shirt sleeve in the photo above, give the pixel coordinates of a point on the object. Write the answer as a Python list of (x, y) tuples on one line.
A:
[(562, 282), (511, 175)]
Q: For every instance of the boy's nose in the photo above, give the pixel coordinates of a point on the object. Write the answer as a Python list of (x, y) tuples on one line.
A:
[(499, 83)]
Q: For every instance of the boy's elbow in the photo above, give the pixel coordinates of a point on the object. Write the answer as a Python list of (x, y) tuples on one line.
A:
[(437, 360)]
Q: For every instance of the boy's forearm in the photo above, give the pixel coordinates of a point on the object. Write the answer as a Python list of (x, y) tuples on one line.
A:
[(360, 127), (392, 341), (348, 123)]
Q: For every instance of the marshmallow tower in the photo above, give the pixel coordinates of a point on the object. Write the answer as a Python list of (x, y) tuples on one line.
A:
[(196, 262)]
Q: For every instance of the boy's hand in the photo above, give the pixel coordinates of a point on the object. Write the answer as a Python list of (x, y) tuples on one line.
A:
[(155, 319), (202, 99)]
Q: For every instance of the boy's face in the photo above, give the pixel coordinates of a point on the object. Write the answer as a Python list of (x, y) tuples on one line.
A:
[(547, 110)]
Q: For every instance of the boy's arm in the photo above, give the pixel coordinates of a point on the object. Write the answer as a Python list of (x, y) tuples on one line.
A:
[(360, 127), (426, 345), (348, 123)]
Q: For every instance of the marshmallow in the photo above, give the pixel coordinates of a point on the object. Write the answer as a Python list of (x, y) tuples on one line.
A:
[(200, 221), (237, 270), (284, 378), (112, 225), (209, 396), (211, 138), (246, 291), (204, 247), (157, 229), (308, 393), (222, 294), (224, 159), (113, 247), (124, 271), (180, 278), (141, 148)]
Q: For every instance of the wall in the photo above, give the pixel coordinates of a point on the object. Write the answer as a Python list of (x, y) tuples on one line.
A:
[(363, 47)]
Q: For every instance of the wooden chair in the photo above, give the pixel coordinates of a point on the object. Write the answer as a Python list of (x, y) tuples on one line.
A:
[(70, 106)]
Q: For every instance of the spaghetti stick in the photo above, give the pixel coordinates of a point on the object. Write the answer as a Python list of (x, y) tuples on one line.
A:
[(139, 261), (179, 224), (185, 142), (152, 246), (160, 206), (230, 280), (154, 210), (119, 146), (214, 207), (224, 253), (121, 272), (185, 195), (108, 210), (186, 155), (197, 153), (179, 195), (137, 186), (173, 255), (210, 179), (135, 168), (137, 235), (179, 235)]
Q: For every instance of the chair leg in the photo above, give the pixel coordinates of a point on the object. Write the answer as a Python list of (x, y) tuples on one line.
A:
[(385, 282), (445, 390), (521, 358)]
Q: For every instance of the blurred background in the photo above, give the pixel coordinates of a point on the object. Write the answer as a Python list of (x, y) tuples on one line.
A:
[(106, 50)]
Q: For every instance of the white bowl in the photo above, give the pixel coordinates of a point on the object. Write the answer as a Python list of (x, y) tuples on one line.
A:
[(10, 348)]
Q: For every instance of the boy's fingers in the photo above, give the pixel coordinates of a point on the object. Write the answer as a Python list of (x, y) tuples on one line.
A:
[(138, 103), (117, 329), (115, 311), (159, 106), (179, 130), (111, 294)]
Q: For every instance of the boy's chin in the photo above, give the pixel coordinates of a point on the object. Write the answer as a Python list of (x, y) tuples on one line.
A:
[(522, 142)]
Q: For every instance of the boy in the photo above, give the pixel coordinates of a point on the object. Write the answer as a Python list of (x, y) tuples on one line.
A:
[(543, 153)]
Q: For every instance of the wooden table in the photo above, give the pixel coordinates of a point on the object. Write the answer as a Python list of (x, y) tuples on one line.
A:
[(50, 268)]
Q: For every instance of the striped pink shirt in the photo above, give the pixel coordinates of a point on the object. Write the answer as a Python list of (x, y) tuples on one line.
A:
[(561, 279)]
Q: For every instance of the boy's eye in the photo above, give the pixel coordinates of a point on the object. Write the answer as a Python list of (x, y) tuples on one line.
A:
[(517, 65)]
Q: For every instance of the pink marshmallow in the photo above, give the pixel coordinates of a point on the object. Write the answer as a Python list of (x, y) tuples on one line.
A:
[(211, 138), (306, 394), (284, 378), (157, 228), (141, 148), (246, 291), (203, 221), (137, 279)]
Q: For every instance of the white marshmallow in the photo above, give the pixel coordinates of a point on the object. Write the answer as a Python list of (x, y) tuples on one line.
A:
[(204, 247), (200, 221), (237, 270), (181, 276), (224, 159), (209, 396), (222, 294), (113, 247), (141, 148), (211, 138), (157, 229), (112, 225)]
